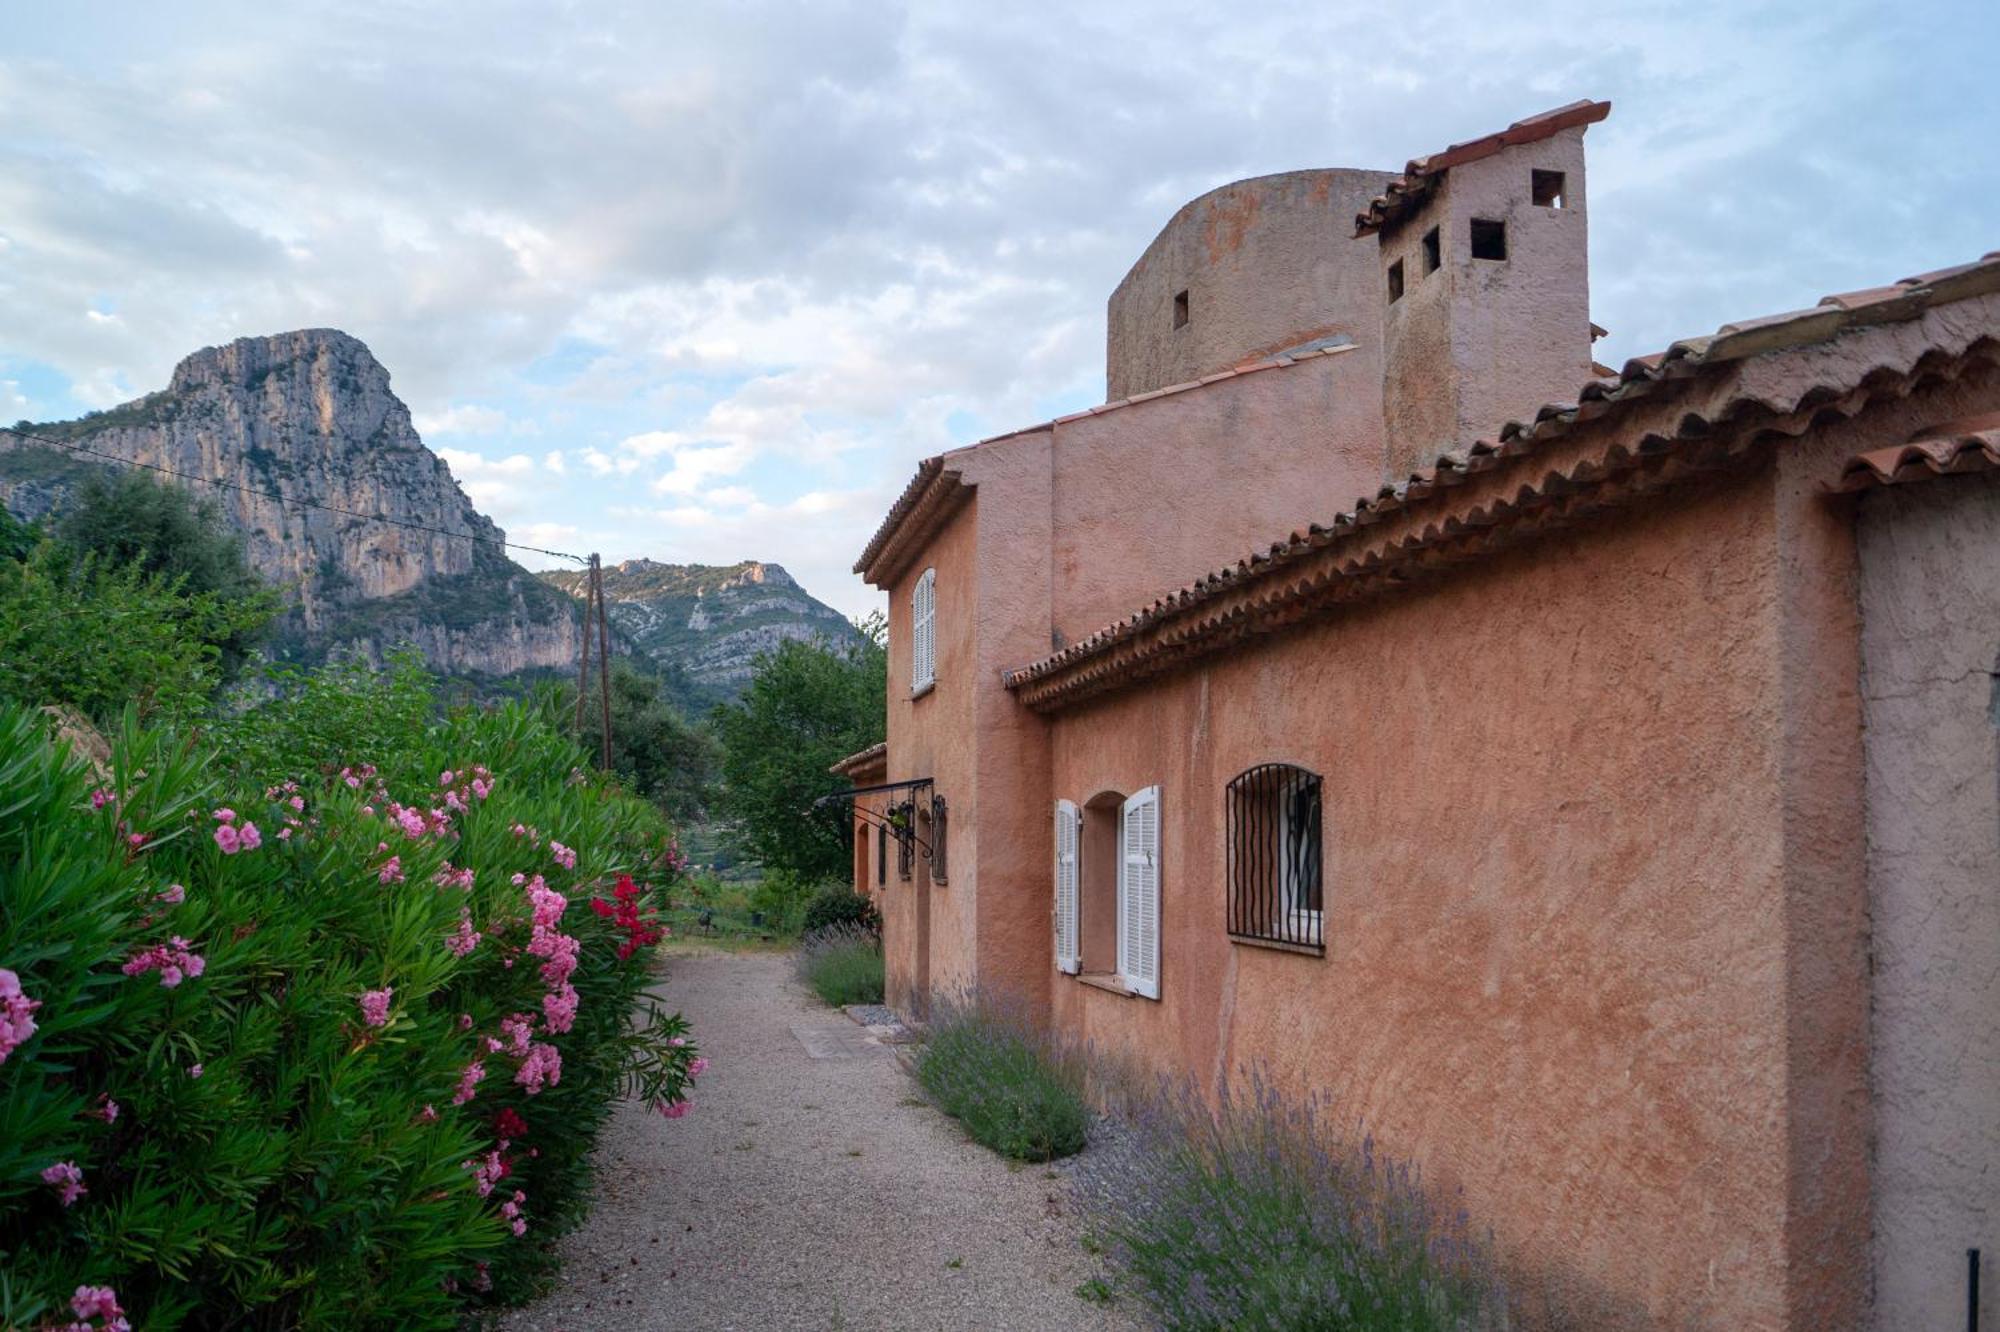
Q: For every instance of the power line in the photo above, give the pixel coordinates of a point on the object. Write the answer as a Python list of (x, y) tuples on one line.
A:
[(286, 499)]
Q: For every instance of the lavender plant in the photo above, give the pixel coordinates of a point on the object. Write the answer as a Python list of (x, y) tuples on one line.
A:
[(1252, 1214), (1016, 1092), (842, 964)]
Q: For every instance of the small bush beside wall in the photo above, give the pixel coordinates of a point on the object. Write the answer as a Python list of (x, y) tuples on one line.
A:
[(838, 904), (1011, 1090), (842, 964)]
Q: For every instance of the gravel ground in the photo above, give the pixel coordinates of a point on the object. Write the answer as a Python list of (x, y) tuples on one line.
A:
[(810, 1192)]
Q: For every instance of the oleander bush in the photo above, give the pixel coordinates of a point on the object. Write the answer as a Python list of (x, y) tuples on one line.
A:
[(1253, 1213), (298, 1036), (1010, 1086), (842, 964)]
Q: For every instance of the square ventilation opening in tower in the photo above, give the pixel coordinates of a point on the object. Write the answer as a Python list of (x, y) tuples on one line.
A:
[(1180, 309), (1489, 239), (1548, 189)]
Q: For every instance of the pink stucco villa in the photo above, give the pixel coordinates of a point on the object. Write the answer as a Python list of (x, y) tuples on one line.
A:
[(1588, 777)]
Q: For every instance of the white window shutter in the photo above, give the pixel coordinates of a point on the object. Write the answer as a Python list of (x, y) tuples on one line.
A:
[(923, 630), (1139, 894), (1067, 949)]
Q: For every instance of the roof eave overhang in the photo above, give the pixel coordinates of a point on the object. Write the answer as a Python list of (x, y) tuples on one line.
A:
[(934, 494), (1472, 501)]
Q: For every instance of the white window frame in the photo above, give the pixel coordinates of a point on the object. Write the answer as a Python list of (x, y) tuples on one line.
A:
[(1068, 887), (923, 633), (1139, 893)]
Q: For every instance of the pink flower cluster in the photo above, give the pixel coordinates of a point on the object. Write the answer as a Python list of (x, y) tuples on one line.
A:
[(461, 879), (91, 1302), (17, 1021), (375, 1006), (512, 1211), (172, 960), (487, 1172), (462, 941), (468, 1082), (392, 870), (543, 1066), (66, 1179), (231, 837), (680, 1105)]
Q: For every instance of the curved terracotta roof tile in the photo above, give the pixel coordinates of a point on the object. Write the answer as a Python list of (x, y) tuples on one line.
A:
[(1968, 445)]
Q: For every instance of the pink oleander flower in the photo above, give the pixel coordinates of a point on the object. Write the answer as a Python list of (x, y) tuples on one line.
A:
[(549, 905), (697, 1066), (465, 939), (674, 1109), (225, 815), (98, 1302), (107, 1109), (17, 1021), (465, 1022), (353, 782), (559, 1009), (174, 960), (248, 837), (677, 1041), (512, 1211), (542, 1067), (460, 879), (135, 840), (564, 855), (194, 1070), (518, 880), (228, 839), (452, 802), (173, 896), (446, 777), (487, 1171), (481, 788), (411, 821), (519, 830), (518, 1029), (392, 870), (561, 950), (375, 1006), (100, 798), (428, 1114), (298, 804), (66, 1179), (285, 834), (468, 1080)]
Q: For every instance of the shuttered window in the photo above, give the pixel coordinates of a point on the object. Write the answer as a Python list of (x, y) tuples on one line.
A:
[(1068, 944), (923, 632), (1139, 894)]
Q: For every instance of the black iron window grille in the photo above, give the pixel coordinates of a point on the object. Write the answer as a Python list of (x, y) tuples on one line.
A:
[(938, 815), (1276, 894), (881, 854), (904, 818)]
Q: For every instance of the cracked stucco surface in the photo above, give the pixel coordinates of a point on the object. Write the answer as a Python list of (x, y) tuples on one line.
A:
[(1930, 598)]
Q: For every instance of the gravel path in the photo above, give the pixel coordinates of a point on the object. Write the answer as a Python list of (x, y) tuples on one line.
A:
[(809, 1192)]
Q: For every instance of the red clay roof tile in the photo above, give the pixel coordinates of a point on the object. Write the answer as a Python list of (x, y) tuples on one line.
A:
[(1410, 189)]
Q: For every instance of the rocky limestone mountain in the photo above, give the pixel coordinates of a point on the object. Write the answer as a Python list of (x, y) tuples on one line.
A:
[(309, 415), (709, 622)]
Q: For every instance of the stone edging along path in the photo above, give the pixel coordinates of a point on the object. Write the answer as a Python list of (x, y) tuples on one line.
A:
[(810, 1188)]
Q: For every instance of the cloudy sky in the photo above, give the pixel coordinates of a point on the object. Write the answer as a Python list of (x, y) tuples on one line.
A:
[(702, 282)]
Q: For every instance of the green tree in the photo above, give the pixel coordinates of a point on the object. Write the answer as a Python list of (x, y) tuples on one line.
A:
[(127, 519), (654, 749), (808, 706)]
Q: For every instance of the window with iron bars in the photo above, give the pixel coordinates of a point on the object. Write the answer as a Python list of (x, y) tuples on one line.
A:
[(1276, 894)]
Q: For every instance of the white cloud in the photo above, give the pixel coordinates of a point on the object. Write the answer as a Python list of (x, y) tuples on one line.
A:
[(466, 464), (553, 460), (460, 419)]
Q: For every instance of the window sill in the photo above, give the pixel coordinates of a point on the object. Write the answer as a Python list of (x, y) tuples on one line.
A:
[(920, 690), (1109, 982), (1279, 945)]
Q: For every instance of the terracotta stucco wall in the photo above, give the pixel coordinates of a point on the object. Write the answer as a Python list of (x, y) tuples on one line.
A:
[(1153, 496), (928, 928), (1556, 959), (1930, 604), (1267, 264)]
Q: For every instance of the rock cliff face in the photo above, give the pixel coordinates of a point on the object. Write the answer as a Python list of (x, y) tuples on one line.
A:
[(310, 415), (709, 622)]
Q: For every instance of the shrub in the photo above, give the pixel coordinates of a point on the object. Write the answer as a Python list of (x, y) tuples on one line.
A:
[(1008, 1085), (780, 899), (1252, 1215), (341, 1071), (838, 904), (82, 632), (842, 964)]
